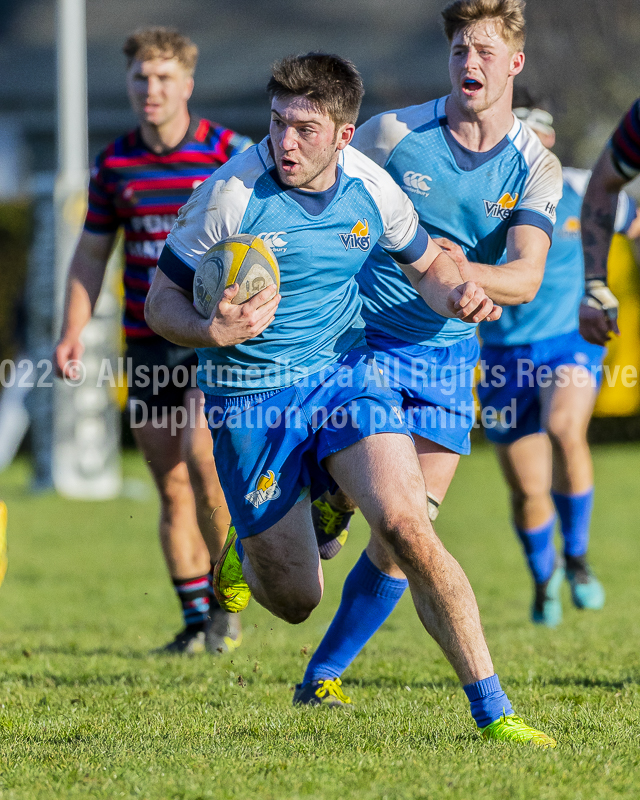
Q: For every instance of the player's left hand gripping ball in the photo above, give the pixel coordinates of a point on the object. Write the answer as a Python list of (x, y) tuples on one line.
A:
[(242, 259)]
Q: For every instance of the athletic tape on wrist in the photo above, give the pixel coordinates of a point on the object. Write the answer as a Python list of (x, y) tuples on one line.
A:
[(598, 295)]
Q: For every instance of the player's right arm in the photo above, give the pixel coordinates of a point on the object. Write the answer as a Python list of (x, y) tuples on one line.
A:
[(84, 282), (618, 164), (170, 313), (599, 307)]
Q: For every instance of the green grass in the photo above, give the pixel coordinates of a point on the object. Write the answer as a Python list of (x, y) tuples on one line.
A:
[(86, 712)]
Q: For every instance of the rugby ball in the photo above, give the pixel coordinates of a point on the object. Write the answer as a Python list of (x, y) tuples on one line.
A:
[(243, 259)]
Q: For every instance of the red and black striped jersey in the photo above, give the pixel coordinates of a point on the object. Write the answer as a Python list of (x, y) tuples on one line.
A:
[(625, 143), (141, 190)]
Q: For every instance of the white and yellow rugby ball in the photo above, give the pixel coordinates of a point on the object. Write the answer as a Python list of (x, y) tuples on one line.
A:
[(243, 259)]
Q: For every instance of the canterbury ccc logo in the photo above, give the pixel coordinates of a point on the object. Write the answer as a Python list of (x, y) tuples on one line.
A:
[(357, 238), (273, 239), (417, 182), (503, 208)]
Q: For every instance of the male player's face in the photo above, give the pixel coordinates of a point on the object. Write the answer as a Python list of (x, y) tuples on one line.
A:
[(305, 143), (158, 90), (481, 65)]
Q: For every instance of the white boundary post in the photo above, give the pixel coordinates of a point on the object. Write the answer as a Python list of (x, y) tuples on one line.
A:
[(86, 430)]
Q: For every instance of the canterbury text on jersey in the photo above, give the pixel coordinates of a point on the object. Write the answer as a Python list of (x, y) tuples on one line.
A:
[(469, 197), (320, 239), (141, 190)]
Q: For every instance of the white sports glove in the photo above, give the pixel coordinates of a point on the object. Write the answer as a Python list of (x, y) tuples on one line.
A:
[(598, 295)]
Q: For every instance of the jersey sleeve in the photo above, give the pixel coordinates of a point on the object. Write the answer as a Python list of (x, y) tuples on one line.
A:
[(102, 216), (379, 136), (214, 212), (542, 192), (238, 144), (399, 220), (625, 213), (625, 143)]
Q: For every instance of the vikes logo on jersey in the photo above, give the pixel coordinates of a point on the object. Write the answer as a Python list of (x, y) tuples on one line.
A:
[(358, 238), (274, 240), (571, 228), (416, 183), (503, 208), (266, 489)]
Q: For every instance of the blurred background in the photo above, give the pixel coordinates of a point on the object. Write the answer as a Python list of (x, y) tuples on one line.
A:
[(583, 63)]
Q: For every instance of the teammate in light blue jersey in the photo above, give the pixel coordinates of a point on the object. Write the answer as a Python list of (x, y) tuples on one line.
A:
[(480, 181), (270, 367), (536, 364)]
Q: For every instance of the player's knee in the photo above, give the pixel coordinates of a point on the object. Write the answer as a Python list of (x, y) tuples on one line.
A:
[(174, 488), (402, 528), (298, 611), (566, 430)]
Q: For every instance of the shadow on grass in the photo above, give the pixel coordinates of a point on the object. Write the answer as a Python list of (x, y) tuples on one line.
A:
[(390, 682), (593, 682), (72, 651)]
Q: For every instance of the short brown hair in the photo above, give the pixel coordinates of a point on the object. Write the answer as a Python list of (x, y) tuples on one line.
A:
[(148, 43), (331, 83), (509, 13)]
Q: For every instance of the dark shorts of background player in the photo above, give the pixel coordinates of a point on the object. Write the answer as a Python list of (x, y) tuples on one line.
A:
[(157, 352)]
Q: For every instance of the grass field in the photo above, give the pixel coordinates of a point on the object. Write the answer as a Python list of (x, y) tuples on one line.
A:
[(85, 711)]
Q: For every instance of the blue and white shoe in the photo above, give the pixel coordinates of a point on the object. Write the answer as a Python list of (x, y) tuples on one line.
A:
[(547, 608), (586, 589)]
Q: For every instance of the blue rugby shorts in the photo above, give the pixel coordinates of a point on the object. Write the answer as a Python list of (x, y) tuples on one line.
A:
[(270, 447), (513, 376), (434, 386)]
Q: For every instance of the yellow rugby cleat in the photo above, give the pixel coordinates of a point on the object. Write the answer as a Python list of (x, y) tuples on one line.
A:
[(229, 586), (3, 541), (514, 729), (321, 693)]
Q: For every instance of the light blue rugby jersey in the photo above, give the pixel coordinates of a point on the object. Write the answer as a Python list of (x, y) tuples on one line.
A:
[(554, 310), (318, 319), (470, 198)]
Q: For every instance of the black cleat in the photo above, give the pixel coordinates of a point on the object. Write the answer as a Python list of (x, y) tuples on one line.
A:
[(188, 642)]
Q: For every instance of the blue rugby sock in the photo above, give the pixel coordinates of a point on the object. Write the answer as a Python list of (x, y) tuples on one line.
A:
[(239, 549), (368, 597), (574, 511), (488, 701), (539, 549)]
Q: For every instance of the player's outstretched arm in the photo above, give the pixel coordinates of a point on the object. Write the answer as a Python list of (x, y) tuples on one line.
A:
[(84, 282), (598, 216), (170, 313), (437, 279), (519, 279), (599, 307)]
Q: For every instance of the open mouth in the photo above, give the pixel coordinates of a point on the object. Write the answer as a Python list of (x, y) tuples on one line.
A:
[(287, 164), (470, 86)]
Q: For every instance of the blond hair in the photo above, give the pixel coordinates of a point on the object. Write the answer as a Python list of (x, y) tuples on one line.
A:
[(157, 42), (508, 13)]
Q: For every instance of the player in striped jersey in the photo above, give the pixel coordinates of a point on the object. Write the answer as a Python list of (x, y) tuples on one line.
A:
[(619, 163), (138, 183)]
